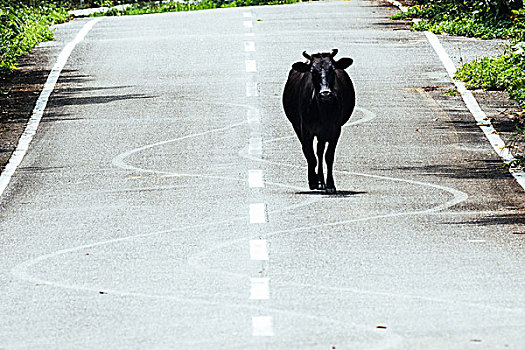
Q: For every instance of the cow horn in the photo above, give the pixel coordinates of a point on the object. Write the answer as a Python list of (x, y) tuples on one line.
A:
[(334, 52), (307, 55)]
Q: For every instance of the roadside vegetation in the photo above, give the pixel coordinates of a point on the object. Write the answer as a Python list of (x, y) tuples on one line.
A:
[(482, 19), (472, 18), (146, 7), (23, 26)]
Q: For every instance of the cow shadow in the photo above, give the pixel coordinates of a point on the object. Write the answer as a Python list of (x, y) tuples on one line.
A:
[(338, 194)]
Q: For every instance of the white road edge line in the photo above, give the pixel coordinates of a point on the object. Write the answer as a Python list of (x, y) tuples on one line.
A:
[(472, 104), (34, 121)]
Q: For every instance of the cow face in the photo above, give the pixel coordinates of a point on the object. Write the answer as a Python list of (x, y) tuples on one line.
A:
[(322, 66)]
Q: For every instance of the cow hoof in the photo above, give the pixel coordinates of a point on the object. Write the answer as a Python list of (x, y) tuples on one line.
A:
[(313, 186), (331, 191)]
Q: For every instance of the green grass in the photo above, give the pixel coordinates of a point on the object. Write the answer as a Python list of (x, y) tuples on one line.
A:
[(22, 28), (501, 73), (153, 7), (496, 73), (474, 19), (484, 20)]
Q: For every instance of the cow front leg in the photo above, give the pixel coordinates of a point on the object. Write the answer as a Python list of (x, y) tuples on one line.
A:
[(330, 156), (320, 171), (308, 150)]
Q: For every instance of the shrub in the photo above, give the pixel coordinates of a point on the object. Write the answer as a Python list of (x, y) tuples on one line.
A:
[(23, 27)]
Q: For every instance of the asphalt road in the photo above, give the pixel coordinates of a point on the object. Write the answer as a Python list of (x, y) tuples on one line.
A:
[(164, 204)]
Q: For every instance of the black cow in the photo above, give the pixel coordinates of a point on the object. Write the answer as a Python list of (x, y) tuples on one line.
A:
[(318, 100)]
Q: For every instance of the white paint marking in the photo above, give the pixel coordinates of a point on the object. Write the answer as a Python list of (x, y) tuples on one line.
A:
[(262, 326), (260, 289), (248, 24), (249, 46), (254, 117), (40, 106), (257, 213), (481, 118), (249, 34), (251, 66), (258, 249), (255, 178), (251, 89), (476, 241), (247, 15), (255, 146)]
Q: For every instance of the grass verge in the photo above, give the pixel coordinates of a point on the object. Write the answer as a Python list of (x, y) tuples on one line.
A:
[(484, 20), (156, 7), (23, 27)]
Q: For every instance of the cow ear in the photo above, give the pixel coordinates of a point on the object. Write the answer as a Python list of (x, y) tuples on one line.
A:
[(301, 67), (343, 63)]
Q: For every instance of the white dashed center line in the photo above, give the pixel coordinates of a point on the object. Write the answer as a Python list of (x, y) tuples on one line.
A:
[(262, 326), (255, 146), (258, 250), (249, 46), (251, 66), (251, 89), (255, 178), (259, 289), (254, 119), (257, 213)]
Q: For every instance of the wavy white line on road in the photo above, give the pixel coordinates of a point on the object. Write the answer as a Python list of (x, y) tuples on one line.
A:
[(368, 116), (21, 271), (34, 121), (119, 161)]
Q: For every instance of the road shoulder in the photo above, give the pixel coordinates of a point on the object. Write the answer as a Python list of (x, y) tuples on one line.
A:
[(21, 88)]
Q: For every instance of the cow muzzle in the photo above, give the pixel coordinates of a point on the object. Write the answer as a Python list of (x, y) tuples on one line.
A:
[(326, 95)]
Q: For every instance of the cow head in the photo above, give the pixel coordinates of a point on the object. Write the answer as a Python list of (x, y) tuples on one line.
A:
[(322, 66)]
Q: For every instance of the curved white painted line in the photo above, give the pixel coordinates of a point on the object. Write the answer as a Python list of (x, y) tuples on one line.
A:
[(33, 123), (458, 196), (21, 271), (369, 115), (118, 161)]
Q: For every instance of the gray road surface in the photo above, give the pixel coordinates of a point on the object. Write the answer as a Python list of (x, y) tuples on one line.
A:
[(137, 219)]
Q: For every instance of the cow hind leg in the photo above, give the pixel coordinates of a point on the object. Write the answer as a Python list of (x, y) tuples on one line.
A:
[(320, 171), (308, 150)]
